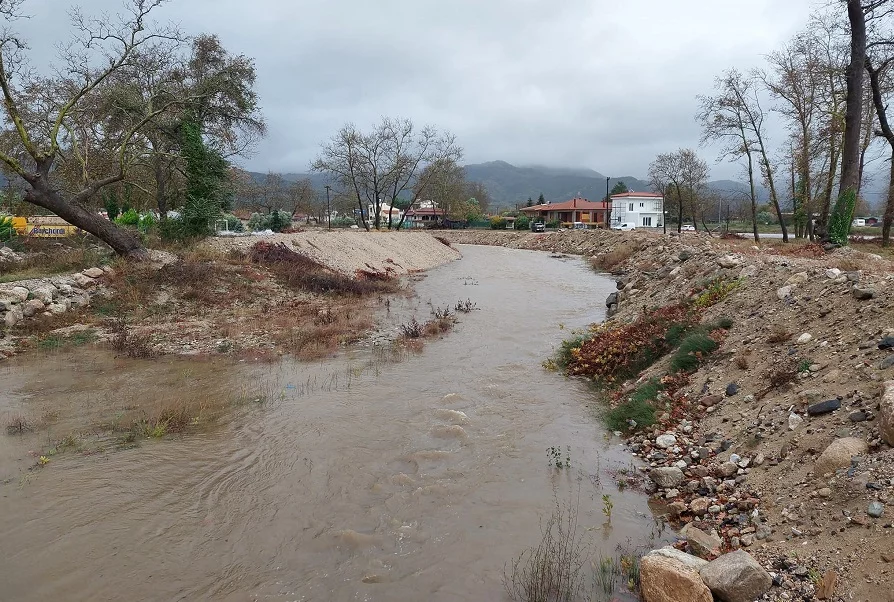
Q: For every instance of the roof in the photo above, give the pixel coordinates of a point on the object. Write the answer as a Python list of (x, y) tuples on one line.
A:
[(638, 194), (426, 211), (576, 204)]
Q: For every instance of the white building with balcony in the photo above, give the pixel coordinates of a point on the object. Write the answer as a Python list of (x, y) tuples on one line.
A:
[(642, 209)]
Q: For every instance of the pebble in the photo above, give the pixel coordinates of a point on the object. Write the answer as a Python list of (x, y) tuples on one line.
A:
[(805, 338), (858, 416), (823, 407), (732, 389), (666, 441), (794, 421), (876, 509)]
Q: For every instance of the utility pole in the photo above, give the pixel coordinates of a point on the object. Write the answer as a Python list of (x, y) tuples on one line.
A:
[(328, 211), (608, 200)]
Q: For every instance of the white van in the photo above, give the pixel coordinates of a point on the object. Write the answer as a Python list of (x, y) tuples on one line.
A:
[(625, 226)]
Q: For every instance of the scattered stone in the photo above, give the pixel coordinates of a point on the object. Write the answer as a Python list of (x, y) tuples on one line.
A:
[(732, 389), (667, 579), (823, 407), (666, 441), (833, 273), (748, 271), (699, 506), (886, 363), (886, 343), (863, 293), (825, 587), (612, 299), (676, 508), (728, 469), (759, 459), (57, 308), (794, 421), (784, 292), (93, 272), (858, 416), (666, 476), (876, 509), (886, 426), (701, 543), (83, 281), (711, 400), (728, 262), (805, 338), (839, 454), (796, 279), (736, 577), (825, 492)]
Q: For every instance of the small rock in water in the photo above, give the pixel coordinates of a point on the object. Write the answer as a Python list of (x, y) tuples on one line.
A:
[(823, 407), (732, 389), (876, 509)]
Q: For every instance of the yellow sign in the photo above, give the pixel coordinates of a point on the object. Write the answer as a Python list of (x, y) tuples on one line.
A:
[(43, 227)]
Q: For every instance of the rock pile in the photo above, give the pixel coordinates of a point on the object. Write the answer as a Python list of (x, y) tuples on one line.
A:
[(48, 296), (668, 575)]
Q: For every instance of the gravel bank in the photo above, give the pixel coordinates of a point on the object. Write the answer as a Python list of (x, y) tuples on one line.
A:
[(349, 251)]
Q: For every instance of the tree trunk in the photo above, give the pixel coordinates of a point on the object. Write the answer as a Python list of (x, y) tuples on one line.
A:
[(679, 209), (888, 217), (161, 187), (757, 236), (853, 114), (123, 242), (773, 196)]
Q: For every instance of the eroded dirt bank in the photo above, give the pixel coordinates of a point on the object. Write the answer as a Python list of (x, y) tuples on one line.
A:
[(777, 442), (301, 294)]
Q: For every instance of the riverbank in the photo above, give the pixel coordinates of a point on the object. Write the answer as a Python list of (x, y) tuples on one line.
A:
[(305, 295), (776, 442)]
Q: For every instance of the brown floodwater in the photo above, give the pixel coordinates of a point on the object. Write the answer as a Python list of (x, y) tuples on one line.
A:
[(357, 479)]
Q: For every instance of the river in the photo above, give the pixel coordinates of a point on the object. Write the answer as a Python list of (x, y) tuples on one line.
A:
[(410, 480)]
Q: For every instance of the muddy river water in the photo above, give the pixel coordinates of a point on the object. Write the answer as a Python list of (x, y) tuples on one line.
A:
[(410, 480)]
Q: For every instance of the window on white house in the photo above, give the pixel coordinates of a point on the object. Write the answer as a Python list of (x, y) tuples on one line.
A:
[(641, 205), (631, 207), (647, 221)]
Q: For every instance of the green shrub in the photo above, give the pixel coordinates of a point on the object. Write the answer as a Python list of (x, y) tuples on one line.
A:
[(691, 350), (497, 223), (342, 222), (146, 223), (275, 220), (565, 354), (522, 222), (234, 224), (128, 218), (715, 291), (7, 232), (553, 224)]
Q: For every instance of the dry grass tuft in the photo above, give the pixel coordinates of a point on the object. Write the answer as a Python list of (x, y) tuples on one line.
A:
[(129, 343), (552, 571), (779, 335), (608, 261), (742, 362), (18, 425)]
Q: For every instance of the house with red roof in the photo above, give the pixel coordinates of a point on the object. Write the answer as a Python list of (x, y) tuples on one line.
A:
[(421, 217), (591, 213)]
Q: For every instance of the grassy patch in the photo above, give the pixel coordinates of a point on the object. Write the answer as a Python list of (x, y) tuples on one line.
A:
[(691, 351), (52, 342), (606, 262), (639, 408), (44, 258), (716, 291)]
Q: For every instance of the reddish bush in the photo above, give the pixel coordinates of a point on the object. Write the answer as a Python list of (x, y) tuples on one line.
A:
[(615, 352)]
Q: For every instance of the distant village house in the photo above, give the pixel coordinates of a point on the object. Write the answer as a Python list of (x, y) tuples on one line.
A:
[(577, 210), (642, 209)]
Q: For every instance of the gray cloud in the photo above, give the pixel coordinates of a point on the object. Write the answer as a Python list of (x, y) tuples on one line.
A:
[(595, 83)]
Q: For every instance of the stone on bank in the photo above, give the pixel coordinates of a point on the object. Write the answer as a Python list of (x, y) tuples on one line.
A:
[(666, 577), (736, 577)]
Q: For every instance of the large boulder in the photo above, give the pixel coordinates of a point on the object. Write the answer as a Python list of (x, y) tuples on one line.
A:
[(19, 292), (13, 317), (736, 577), (45, 292), (839, 454), (886, 426), (667, 476), (667, 579), (32, 307)]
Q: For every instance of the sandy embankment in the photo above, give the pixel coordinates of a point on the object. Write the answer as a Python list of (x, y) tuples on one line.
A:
[(349, 251)]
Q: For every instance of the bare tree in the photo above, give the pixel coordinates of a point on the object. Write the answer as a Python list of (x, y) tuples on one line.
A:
[(381, 165), (725, 117), (41, 125), (876, 75), (683, 177)]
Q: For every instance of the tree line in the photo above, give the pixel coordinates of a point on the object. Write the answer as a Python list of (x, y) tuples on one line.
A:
[(829, 88)]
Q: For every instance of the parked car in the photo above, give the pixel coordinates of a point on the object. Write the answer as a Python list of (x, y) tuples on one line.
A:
[(625, 226), (688, 228), (538, 227)]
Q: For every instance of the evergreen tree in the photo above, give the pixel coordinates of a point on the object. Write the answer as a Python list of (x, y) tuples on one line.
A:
[(541, 200), (530, 202), (207, 193)]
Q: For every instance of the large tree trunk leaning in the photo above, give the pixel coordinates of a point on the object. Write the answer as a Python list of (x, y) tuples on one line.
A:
[(125, 243), (887, 134)]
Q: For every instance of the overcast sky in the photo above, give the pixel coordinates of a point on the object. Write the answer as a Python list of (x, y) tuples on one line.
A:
[(605, 84)]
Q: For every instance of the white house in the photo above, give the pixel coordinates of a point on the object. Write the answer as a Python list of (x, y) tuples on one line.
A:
[(384, 210), (642, 209)]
